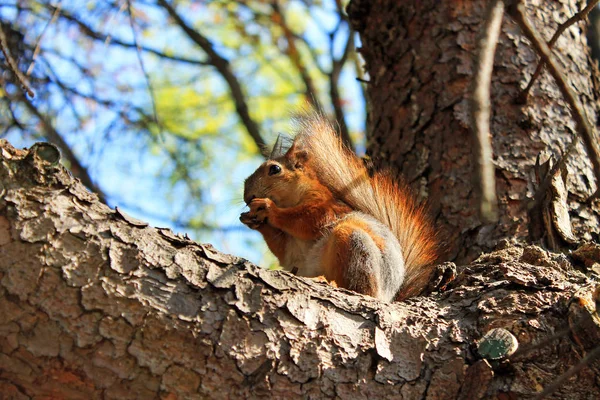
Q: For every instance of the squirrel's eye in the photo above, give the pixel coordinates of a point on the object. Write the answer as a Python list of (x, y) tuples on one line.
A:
[(274, 169)]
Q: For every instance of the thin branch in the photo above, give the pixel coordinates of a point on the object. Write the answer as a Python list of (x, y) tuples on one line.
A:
[(294, 55), (53, 78), (548, 390), (480, 112), (580, 16), (12, 64), (312, 51), (334, 77), (141, 61), (55, 137), (15, 120), (222, 66), (37, 47), (88, 31), (360, 73), (584, 128)]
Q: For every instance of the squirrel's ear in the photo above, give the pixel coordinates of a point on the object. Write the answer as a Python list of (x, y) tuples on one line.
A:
[(297, 156)]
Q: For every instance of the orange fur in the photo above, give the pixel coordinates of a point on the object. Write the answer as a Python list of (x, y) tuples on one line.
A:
[(389, 201)]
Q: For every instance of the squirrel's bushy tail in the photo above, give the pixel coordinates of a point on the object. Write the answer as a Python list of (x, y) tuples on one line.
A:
[(379, 196)]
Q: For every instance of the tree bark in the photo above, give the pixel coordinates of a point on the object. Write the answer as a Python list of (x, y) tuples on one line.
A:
[(95, 304), (419, 58)]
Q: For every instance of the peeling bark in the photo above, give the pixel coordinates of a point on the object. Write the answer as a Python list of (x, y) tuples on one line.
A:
[(419, 58), (94, 304)]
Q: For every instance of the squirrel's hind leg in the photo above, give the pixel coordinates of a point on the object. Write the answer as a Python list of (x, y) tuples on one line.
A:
[(351, 257)]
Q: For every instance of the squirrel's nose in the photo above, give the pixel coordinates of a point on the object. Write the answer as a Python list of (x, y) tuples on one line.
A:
[(249, 199)]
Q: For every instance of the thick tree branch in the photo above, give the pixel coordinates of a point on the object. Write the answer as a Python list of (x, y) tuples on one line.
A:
[(222, 66), (484, 171)]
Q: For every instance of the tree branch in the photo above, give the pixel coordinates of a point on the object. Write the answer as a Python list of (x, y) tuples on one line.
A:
[(156, 314), (88, 31), (12, 64), (584, 128), (480, 112), (334, 76), (38, 45), (294, 55), (222, 66), (580, 16), (141, 61)]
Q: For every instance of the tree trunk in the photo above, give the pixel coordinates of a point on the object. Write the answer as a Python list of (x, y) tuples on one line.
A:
[(95, 304), (419, 58)]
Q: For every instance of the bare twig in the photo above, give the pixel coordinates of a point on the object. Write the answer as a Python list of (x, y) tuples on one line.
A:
[(360, 73), (480, 112), (522, 351), (548, 390), (141, 61), (222, 66), (294, 55), (580, 16), (38, 45), (12, 64), (334, 77), (88, 31), (584, 128)]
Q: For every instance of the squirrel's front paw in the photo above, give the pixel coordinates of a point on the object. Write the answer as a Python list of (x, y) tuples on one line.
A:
[(258, 214), (260, 209), (249, 220)]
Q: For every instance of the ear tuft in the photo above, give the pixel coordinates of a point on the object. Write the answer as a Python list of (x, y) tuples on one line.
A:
[(281, 146)]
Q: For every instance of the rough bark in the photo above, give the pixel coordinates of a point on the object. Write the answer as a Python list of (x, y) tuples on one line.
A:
[(95, 304), (419, 56)]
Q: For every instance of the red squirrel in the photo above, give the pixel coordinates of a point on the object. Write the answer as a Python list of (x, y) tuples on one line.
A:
[(322, 214)]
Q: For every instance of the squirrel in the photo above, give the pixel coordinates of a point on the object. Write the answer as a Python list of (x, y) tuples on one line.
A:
[(322, 214)]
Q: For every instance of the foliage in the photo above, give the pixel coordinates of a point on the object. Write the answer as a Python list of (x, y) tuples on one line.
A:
[(162, 105)]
